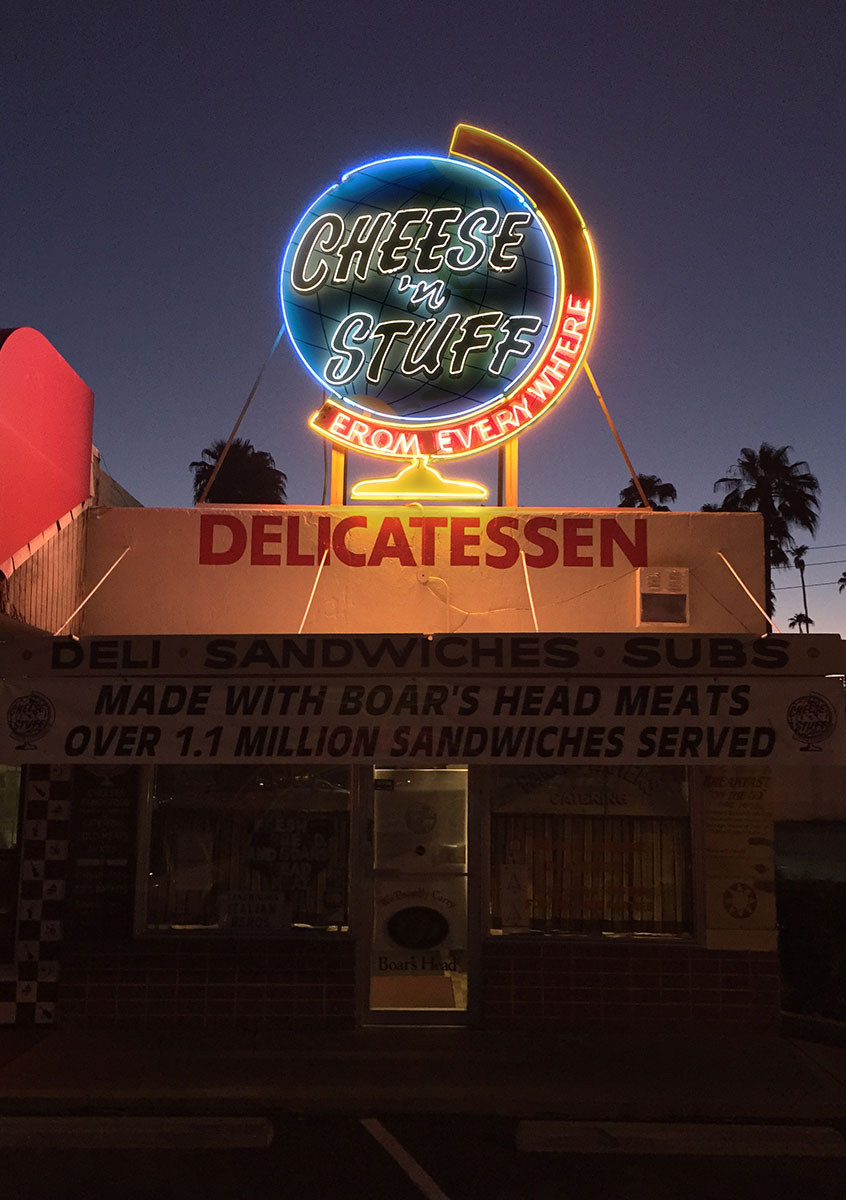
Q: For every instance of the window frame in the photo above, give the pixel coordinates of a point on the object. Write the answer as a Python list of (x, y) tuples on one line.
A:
[(141, 926), (693, 922)]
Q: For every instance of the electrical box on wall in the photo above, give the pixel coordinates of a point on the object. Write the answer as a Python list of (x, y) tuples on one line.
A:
[(662, 595)]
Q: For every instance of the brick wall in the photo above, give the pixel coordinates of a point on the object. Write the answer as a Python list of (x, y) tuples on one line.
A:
[(551, 983), (525, 984), (204, 981)]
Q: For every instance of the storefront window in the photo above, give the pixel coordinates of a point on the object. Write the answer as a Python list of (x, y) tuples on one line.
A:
[(249, 850), (10, 790), (591, 850)]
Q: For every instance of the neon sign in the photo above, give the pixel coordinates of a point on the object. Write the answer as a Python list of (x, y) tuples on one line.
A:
[(443, 304)]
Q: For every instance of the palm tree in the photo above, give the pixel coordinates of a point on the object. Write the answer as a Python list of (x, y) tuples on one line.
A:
[(786, 495), (800, 619), (246, 475), (655, 490), (799, 553), (841, 583)]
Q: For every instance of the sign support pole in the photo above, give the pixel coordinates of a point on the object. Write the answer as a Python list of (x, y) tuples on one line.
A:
[(634, 476), (507, 474), (338, 476)]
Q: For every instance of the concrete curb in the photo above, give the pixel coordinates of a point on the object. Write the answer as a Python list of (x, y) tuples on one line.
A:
[(134, 1133), (705, 1139), (810, 1028)]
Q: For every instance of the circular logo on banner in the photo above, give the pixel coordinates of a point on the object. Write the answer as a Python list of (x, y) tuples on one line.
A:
[(30, 717), (812, 719), (420, 288)]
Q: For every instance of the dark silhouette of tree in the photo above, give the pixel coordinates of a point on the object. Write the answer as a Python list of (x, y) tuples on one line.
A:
[(729, 504), (657, 493), (799, 553), (786, 495), (800, 619), (841, 583), (246, 476)]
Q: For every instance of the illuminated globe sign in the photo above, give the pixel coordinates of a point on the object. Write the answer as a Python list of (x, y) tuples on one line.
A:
[(442, 303), (420, 287)]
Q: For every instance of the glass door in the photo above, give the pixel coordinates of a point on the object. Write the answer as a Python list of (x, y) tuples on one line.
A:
[(418, 947)]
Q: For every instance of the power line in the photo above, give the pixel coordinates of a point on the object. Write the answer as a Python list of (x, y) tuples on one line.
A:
[(794, 587), (219, 461), (829, 562)]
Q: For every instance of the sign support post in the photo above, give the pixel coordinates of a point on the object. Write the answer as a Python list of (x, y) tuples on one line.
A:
[(507, 472), (338, 475)]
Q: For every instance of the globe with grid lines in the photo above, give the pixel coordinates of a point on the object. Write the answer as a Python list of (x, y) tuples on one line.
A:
[(420, 288)]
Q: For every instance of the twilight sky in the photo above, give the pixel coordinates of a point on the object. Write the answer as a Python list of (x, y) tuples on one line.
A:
[(156, 158)]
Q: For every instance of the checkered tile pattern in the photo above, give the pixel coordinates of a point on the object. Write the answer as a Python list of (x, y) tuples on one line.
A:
[(29, 985)]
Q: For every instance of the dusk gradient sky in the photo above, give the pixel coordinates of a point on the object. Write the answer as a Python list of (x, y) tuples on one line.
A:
[(156, 158)]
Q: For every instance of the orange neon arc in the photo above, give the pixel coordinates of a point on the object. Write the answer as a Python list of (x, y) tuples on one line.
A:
[(555, 368)]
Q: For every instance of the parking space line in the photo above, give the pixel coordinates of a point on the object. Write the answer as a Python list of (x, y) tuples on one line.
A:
[(402, 1158), (654, 1138)]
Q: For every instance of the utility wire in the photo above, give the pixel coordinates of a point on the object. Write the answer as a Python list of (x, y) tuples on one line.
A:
[(794, 587), (829, 562), (225, 450)]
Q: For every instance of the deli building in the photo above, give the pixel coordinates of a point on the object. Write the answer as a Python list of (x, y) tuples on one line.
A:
[(405, 760)]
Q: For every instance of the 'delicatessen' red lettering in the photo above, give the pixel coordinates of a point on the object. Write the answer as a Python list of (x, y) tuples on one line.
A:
[(371, 539)]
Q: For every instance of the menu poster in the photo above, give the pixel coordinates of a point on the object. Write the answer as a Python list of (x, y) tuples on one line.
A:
[(739, 867)]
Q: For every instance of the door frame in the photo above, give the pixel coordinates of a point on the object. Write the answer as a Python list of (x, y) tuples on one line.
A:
[(362, 896)]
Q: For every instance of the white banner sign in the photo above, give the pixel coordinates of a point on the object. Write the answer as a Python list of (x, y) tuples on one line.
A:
[(456, 655), (422, 719)]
